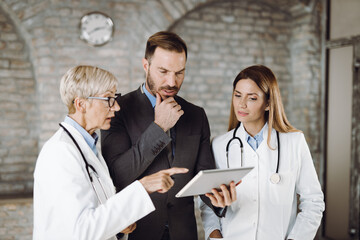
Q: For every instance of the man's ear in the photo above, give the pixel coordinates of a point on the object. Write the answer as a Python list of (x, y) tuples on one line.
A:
[(80, 105), (145, 64)]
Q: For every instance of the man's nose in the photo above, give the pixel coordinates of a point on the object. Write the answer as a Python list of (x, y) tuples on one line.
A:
[(171, 79)]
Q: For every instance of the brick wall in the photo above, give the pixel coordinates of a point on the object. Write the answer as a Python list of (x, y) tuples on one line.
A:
[(304, 108), (16, 219), (223, 39), (39, 41), (18, 141)]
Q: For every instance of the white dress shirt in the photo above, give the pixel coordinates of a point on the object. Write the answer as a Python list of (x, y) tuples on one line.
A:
[(264, 210)]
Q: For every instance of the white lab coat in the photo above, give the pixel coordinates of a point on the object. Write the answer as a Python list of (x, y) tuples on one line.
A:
[(65, 204), (263, 210)]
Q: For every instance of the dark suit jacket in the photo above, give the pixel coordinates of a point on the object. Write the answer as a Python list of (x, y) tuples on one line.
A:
[(134, 146)]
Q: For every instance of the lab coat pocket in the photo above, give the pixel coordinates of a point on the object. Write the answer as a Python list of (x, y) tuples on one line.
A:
[(283, 191)]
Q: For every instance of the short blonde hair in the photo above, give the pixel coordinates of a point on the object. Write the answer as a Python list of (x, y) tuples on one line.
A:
[(84, 82)]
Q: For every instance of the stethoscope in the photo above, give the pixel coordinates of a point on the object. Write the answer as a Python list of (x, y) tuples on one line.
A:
[(275, 178), (92, 173)]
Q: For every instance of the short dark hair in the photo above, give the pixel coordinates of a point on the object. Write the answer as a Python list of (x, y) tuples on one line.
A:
[(166, 40)]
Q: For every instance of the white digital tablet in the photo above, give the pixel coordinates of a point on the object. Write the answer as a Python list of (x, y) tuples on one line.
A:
[(206, 180)]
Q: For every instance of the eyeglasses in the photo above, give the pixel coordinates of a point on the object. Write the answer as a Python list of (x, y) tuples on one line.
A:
[(110, 100)]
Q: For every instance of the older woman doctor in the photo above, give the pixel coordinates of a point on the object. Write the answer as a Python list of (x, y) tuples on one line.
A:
[(266, 205), (74, 196)]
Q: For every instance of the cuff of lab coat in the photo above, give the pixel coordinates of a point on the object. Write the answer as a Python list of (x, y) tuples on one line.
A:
[(144, 194), (142, 197)]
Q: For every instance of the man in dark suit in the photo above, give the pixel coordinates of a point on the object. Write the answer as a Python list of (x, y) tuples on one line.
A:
[(156, 129)]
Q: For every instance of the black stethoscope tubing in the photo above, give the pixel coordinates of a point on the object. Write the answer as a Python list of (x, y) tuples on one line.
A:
[(87, 165), (241, 148)]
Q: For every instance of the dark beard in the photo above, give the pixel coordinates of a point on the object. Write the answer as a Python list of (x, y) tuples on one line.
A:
[(151, 85)]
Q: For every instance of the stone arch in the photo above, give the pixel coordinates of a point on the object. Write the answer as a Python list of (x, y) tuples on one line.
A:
[(18, 122)]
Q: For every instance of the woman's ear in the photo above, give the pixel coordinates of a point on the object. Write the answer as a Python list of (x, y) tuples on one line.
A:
[(267, 106), (80, 105)]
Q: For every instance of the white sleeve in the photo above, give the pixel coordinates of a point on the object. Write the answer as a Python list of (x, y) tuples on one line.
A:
[(311, 196), (66, 207), (210, 221), (118, 212)]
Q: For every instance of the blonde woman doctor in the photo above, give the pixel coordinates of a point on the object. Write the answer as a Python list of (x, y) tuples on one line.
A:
[(74, 196), (266, 205)]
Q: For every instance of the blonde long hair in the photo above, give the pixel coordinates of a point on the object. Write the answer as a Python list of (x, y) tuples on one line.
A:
[(266, 81)]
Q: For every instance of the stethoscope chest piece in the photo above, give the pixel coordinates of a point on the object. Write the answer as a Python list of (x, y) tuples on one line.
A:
[(275, 178)]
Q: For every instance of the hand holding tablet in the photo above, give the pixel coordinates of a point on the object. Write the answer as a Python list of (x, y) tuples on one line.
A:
[(224, 196), (206, 180)]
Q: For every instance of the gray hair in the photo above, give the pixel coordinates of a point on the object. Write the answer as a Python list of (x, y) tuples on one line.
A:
[(84, 82)]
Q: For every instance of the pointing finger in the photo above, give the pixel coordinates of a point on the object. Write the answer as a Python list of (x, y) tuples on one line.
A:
[(175, 170)]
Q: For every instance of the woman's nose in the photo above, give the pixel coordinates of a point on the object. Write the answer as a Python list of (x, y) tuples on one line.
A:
[(242, 103), (116, 107)]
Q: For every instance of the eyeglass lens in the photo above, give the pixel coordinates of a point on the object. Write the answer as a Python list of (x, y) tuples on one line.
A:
[(111, 100)]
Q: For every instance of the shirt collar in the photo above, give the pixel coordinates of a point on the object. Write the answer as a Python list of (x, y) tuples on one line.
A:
[(151, 98), (258, 138), (91, 140)]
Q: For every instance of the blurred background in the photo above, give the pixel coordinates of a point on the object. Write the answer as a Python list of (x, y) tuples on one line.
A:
[(313, 47)]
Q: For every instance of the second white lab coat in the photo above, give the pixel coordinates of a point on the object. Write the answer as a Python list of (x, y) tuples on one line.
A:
[(263, 210), (65, 204)]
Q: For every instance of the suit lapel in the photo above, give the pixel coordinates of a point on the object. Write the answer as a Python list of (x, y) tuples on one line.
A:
[(186, 144)]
